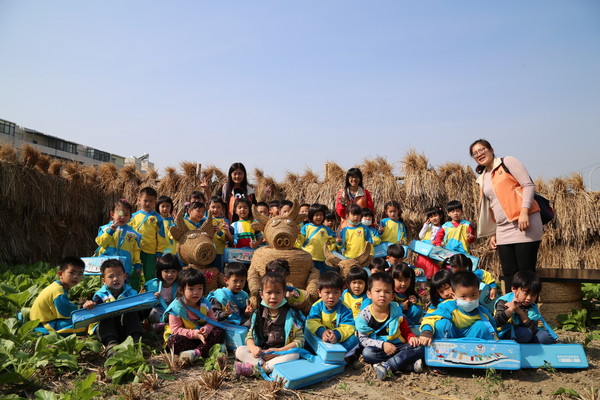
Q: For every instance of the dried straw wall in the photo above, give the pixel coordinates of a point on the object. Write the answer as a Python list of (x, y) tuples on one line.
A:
[(49, 209)]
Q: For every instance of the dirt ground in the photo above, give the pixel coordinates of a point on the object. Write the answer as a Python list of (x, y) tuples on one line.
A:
[(360, 384)]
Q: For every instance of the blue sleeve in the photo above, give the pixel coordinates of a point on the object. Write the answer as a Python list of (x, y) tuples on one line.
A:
[(346, 316), (64, 306)]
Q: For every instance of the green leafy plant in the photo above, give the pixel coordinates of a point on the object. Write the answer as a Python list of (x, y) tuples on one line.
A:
[(82, 390), (548, 367), (211, 362), (128, 363), (578, 320)]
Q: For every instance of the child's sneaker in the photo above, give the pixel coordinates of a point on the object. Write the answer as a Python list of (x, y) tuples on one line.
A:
[(418, 366), (188, 356), (381, 370), (243, 369), (110, 350)]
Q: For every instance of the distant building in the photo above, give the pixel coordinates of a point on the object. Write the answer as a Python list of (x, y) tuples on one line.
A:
[(15, 135)]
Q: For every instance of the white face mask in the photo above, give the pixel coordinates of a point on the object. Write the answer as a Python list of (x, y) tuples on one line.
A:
[(467, 305), (366, 222)]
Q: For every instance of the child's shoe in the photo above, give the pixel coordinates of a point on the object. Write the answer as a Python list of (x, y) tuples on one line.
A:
[(243, 369), (188, 356), (110, 350), (418, 366), (159, 327), (381, 370)]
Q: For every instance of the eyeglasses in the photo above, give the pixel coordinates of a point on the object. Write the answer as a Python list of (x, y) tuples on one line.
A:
[(479, 152)]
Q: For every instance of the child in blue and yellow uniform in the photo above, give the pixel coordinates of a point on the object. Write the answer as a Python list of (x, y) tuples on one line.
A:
[(243, 233), (314, 236), (119, 239), (148, 223), (230, 303), (435, 216), (517, 315), (114, 330), (164, 207), (460, 262), (188, 333), (222, 236), (164, 285), (52, 308), (275, 327), (354, 237), (383, 331), (356, 293), (457, 233), (329, 319), (440, 288), (461, 317), (392, 229), (195, 215), (405, 293)]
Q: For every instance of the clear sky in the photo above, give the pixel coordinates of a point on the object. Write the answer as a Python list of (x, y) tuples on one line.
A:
[(286, 85)]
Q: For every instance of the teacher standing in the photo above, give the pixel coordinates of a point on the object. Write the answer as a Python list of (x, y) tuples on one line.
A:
[(507, 211)]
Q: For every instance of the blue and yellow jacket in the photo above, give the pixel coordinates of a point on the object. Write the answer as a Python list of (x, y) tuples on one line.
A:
[(485, 277), (104, 295), (170, 246), (454, 236), (533, 313), (154, 286), (354, 239), (124, 241), (151, 227), (393, 231), (314, 237), (397, 323), (237, 302), (53, 309), (354, 303), (220, 237), (339, 319), (459, 318)]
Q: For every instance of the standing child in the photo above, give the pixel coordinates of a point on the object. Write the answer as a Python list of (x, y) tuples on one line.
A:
[(114, 330), (274, 328), (188, 333), (195, 215), (329, 319), (457, 233), (262, 208), (383, 331), (314, 236), (243, 233), (285, 207), (148, 223), (222, 228), (517, 315), (430, 228), (367, 220), (274, 208), (330, 220), (231, 304), (405, 293), (460, 317), (164, 285), (440, 289), (354, 296), (392, 229), (119, 239), (52, 307), (164, 206), (353, 239)]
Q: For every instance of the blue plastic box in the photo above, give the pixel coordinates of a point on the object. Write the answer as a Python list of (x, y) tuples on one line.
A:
[(235, 336), (437, 253), (329, 352), (83, 317), (301, 373), (92, 264), (474, 353), (381, 249), (535, 355), (243, 255)]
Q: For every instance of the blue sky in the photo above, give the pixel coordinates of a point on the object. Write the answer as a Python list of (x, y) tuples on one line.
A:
[(283, 85)]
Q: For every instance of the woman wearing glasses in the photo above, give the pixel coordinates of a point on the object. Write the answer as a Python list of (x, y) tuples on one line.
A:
[(507, 211)]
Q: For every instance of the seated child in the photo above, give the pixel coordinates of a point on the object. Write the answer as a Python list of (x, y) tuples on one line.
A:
[(165, 286), (52, 307), (355, 294), (195, 215), (187, 332), (275, 327), (112, 331), (230, 303), (314, 236), (460, 262), (285, 207), (354, 237), (329, 319), (405, 293), (456, 234), (517, 315), (384, 333), (392, 229), (440, 289), (461, 317)]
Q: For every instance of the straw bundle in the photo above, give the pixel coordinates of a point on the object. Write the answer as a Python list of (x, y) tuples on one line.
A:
[(128, 183), (55, 168), (380, 181), (325, 192), (460, 185), (169, 184), (8, 154), (216, 178), (424, 189), (30, 155), (266, 187)]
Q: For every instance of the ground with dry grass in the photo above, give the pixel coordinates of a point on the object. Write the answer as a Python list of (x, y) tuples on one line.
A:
[(194, 383)]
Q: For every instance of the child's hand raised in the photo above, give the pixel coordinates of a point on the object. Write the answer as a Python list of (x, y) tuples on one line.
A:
[(249, 309), (227, 309), (389, 348), (157, 295), (405, 304)]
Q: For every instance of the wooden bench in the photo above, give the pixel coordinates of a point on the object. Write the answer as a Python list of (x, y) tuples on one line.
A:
[(561, 290)]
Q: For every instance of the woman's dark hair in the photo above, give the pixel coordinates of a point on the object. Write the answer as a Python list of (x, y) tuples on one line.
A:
[(259, 322), (244, 200), (315, 208), (168, 261), (164, 199), (191, 277), (458, 260), (403, 270), (357, 274), (480, 168), (439, 279), (354, 172), (244, 184)]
